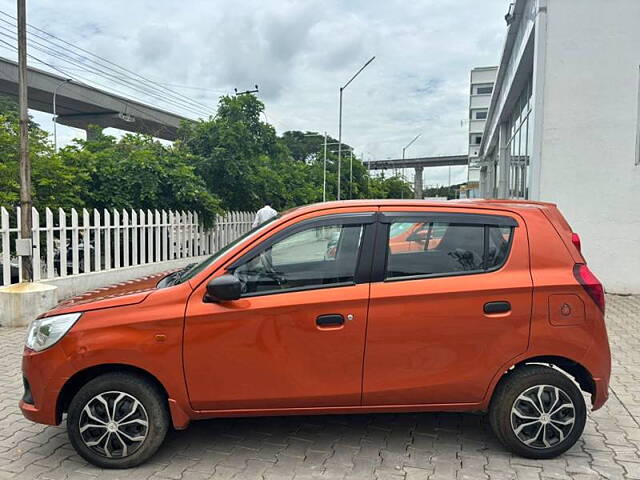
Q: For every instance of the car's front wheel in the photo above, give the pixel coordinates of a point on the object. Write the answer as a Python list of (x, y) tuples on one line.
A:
[(117, 420), (537, 412)]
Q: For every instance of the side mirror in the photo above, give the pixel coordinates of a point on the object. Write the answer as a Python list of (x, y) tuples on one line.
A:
[(223, 288)]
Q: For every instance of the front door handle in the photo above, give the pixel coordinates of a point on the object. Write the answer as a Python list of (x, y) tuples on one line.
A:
[(497, 307), (332, 320)]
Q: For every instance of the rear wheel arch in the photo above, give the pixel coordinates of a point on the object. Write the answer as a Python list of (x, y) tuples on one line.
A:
[(569, 367), (76, 382)]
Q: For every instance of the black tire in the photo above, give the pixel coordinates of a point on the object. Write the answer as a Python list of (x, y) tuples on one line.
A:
[(151, 404), (546, 387)]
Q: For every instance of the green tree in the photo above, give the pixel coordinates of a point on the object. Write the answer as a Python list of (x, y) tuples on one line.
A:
[(235, 151), (233, 161), (137, 172), (448, 191), (392, 187), (54, 183)]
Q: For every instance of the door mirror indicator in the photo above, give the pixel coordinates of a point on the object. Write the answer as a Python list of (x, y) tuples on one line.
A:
[(223, 289)]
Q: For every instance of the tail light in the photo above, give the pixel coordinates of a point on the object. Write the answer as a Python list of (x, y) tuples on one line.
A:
[(590, 284), (575, 239)]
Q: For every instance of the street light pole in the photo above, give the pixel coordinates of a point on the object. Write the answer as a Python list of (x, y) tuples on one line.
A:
[(25, 163), (340, 119), (340, 141), (324, 171), (55, 116), (368, 175), (404, 149), (351, 174)]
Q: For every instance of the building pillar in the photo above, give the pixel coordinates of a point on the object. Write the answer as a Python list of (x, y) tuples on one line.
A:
[(491, 179), (484, 178), (503, 161), (418, 182)]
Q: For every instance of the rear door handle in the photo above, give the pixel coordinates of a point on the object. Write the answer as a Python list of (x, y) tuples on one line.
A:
[(332, 320), (497, 307)]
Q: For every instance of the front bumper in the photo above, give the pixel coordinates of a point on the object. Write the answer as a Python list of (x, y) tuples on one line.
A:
[(45, 372)]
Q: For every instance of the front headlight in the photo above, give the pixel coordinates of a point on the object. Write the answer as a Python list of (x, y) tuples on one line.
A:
[(45, 332)]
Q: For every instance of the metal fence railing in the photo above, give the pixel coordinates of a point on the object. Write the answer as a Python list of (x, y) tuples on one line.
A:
[(69, 243)]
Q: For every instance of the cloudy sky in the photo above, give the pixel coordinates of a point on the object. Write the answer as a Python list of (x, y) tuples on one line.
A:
[(299, 53)]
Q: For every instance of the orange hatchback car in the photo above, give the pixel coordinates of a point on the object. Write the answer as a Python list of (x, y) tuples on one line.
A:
[(496, 312)]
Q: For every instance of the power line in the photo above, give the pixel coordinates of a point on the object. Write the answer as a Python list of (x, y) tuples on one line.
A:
[(88, 99), (99, 72), (37, 46), (193, 87), (73, 46), (160, 91)]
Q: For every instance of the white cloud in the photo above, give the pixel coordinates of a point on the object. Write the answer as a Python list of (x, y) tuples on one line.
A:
[(299, 53)]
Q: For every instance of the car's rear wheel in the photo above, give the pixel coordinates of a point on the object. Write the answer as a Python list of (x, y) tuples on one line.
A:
[(117, 420), (537, 412)]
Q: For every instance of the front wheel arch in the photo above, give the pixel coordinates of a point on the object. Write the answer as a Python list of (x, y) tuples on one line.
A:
[(76, 382)]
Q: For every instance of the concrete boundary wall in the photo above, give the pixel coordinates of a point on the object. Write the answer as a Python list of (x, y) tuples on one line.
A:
[(21, 303), (77, 284)]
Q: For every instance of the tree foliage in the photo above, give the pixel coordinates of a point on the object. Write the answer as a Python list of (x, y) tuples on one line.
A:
[(233, 161), (139, 172), (54, 183)]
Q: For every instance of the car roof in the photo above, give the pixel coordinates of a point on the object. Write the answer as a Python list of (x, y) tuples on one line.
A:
[(492, 204)]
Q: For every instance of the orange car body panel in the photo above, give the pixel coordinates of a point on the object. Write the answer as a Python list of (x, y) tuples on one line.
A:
[(412, 345), (267, 351), (429, 339)]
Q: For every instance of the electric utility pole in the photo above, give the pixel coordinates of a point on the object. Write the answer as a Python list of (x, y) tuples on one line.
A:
[(25, 163), (255, 90)]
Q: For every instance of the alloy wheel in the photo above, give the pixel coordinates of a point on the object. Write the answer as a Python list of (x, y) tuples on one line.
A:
[(114, 424), (542, 416)]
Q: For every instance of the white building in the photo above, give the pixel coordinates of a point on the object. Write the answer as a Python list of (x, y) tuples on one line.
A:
[(480, 89), (564, 124)]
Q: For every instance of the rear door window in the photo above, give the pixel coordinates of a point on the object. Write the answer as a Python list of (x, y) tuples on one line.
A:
[(434, 247)]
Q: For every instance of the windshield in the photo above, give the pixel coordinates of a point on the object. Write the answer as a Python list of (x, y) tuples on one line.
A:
[(192, 270)]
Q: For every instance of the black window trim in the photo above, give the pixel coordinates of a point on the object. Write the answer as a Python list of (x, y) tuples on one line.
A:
[(451, 217), (365, 252), (379, 270), (298, 289), (371, 266)]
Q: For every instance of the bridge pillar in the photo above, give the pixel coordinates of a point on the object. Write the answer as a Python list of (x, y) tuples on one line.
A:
[(418, 182)]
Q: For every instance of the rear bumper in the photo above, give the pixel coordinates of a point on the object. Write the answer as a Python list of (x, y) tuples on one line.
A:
[(601, 393)]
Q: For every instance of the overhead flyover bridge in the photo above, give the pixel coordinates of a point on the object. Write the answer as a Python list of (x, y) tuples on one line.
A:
[(418, 163), (79, 105)]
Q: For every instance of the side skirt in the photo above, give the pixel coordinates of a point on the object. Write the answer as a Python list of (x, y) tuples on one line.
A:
[(254, 412)]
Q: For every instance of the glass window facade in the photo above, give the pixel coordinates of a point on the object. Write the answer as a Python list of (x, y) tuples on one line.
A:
[(520, 143)]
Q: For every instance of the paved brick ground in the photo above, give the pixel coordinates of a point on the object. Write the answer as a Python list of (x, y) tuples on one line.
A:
[(408, 446)]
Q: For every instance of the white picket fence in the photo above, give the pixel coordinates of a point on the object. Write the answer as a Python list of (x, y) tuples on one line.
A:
[(114, 239)]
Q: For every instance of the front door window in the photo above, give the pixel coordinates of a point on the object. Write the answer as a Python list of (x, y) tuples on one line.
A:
[(316, 257)]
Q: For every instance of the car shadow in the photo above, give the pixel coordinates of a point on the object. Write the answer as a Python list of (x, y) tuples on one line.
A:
[(298, 436)]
